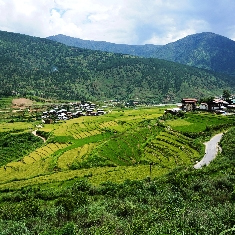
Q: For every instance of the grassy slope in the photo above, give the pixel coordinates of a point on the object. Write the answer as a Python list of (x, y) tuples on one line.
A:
[(179, 200)]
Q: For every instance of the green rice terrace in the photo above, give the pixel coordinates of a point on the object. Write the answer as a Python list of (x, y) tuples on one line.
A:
[(117, 146), (136, 149)]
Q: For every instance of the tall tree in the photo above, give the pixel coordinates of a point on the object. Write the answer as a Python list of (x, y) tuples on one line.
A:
[(226, 94)]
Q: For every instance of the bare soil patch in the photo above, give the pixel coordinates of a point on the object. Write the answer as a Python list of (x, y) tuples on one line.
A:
[(22, 103)]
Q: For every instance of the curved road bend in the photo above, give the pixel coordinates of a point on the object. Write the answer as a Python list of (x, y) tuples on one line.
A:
[(211, 151), (35, 133)]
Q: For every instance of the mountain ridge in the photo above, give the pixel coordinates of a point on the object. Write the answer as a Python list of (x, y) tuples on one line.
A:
[(33, 66), (203, 50)]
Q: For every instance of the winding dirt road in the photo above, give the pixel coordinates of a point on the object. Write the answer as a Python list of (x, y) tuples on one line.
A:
[(212, 149), (35, 133)]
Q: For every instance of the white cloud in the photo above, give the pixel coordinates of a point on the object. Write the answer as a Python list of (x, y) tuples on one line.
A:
[(232, 32), (25, 16), (120, 21)]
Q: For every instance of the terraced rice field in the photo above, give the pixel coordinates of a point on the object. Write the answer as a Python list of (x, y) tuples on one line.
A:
[(117, 146), (34, 164), (170, 150)]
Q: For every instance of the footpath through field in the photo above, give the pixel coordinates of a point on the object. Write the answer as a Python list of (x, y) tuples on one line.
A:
[(35, 133), (211, 151)]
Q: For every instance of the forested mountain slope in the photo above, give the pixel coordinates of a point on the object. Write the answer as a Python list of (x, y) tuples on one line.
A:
[(41, 67), (203, 50), (136, 50)]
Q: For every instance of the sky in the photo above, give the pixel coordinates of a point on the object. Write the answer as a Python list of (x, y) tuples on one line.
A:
[(134, 22)]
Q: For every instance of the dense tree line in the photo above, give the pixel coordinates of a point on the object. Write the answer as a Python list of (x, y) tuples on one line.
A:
[(14, 146), (203, 50)]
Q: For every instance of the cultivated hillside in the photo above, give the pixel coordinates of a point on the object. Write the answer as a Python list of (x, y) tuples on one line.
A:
[(41, 67), (127, 172), (203, 50)]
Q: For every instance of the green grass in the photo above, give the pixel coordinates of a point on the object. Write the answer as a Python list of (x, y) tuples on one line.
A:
[(198, 122), (15, 146), (16, 127), (5, 102)]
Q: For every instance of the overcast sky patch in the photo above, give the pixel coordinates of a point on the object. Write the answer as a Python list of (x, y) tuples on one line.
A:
[(119, 21)]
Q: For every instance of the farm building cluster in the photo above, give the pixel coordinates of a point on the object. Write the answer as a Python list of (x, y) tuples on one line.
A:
[(216, 105), (73, 110)]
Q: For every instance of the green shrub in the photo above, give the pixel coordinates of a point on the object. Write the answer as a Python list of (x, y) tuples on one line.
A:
[(14, 146)]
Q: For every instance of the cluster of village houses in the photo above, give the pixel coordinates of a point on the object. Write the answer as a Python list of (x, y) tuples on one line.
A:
[(216, 105), (73, 110)]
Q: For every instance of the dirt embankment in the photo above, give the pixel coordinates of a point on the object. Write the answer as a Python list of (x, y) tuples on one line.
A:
[(22, 103)]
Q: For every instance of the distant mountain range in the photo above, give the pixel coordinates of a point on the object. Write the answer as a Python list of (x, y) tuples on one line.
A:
[(32, 66), (203, 50)]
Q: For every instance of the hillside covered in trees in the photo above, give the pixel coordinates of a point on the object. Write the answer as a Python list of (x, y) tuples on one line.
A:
[(203, 50), (41, 67)]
